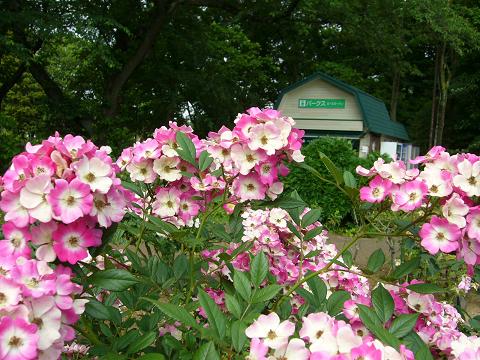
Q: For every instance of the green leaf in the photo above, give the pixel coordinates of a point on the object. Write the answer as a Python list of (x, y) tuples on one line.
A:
[(403, 324), (97, 310), (162, 226), (332, 169), (406, 268), (416, 344), (371, 321), (142, 342), (425, 288), (242, 285), (319, 289), (336, 301), (233, 305), (383, 303), (204, 161), (215, 317), (310, 217), (207, 352), (347, 258), (376, 261), (349, 179), (180, 266), (175, 312), (294, 229), (125, 340), (113, 279), (266, 293), (132, 187), (259, 268), (152, 356), (186, 149), (238, 335), (312, 233)]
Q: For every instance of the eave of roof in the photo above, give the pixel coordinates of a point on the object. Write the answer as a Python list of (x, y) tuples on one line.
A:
[(374, 111)]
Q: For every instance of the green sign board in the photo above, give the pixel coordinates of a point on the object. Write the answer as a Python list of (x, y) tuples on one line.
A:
[(321, 103)]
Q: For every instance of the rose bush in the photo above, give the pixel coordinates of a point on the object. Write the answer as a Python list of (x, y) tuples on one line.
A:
[(196, 254)]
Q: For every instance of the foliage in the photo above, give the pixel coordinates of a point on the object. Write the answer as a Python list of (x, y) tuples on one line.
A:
[(336, 208)]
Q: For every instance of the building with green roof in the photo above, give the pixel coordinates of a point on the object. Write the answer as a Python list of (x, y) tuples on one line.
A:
[(325, 106)]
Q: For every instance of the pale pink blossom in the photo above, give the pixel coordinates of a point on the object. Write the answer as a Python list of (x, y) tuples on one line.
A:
[(249, 187), (34, 198), (167, 168), (70, 201), (95, 173), (468, 178), (274, 333), (18, 339), (439, 235), (376, 191), (455, 210), (71, 242)]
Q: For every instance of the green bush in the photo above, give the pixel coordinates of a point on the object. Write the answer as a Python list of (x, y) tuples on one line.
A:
[(336, 208)]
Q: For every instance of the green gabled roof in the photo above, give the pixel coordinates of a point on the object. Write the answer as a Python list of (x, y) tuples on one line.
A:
[(375, 115)]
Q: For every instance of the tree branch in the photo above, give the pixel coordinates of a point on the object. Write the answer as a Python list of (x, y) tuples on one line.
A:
[(118, 80), (9, 83)]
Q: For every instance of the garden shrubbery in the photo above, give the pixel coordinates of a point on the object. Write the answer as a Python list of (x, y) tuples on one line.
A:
[(336, 207)]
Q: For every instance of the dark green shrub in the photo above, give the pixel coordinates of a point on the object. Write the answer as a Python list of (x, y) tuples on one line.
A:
[(336, 208)]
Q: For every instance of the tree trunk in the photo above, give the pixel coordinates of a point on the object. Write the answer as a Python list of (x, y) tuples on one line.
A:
[(431, 139), (395, 93), (445, 78)]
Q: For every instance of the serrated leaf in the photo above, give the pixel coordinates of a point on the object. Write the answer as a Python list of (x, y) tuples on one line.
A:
[(204, 161), (318, 288), (97, 310), (336, 301), (180, 266), (266, 293), (403, 324), (425, 288), (242, 285), (371, 321), (152, 356), (406, 268), (215, 317), (142, 342), (238, 335), (416, 344), (332, 169), (349, 179), (294, 229), (383, 303), (207, 352), (312, 233), (186, 149), (175, 312), (310, 217), (259, 268), (347, 258), (113, 279), (376, 261), (132, 187), (233, 305)]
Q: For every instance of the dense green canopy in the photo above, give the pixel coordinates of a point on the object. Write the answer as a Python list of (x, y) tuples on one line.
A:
[(115, 70)]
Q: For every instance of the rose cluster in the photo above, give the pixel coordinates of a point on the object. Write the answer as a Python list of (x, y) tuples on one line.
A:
[(321, 337), (54, 196), (37, 309), (241, 164), (289, 257), (451, 182), (267, 231)]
